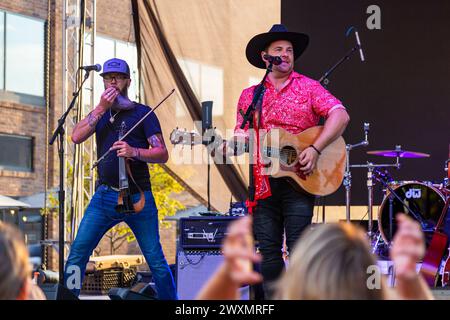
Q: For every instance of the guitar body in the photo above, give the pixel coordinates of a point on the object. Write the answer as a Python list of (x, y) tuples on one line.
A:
[(329, 172), (433, 258), (435, 252), (446, 273)]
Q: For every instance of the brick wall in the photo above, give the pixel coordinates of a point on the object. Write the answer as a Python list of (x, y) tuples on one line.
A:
[(114, 19), (34, 8), (26, 121)]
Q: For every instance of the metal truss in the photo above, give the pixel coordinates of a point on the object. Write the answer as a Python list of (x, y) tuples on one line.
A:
[(78, 50)]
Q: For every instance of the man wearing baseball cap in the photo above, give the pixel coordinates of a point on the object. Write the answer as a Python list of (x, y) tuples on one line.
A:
[(294, 103), (115, 113)]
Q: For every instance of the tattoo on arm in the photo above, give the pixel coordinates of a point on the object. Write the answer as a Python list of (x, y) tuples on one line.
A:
[(92, 119), (155, 142)]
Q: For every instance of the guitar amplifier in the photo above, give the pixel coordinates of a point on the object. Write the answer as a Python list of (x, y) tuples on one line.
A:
[(203, 232), (195, 268)]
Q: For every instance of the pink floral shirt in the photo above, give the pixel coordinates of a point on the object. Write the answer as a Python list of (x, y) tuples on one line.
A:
[(297, 107)]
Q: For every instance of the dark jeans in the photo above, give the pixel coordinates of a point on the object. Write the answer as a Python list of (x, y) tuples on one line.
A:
[(287, 210)]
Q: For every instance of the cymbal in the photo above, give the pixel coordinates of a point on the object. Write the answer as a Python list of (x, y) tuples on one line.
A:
[(398, 153)]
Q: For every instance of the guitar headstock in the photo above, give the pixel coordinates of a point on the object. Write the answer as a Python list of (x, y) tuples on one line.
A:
[(185, 137), (211, 138)]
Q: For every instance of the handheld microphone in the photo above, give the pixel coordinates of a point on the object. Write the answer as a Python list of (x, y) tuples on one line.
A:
[(275, 60), (95, 67), (361, 54)]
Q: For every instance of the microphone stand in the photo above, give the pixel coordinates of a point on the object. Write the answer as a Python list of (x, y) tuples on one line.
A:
[(208, 143), (59, 132), (324, 79), (248, 118)]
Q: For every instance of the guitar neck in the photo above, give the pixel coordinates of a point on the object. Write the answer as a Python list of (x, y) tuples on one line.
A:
[(123, 178)]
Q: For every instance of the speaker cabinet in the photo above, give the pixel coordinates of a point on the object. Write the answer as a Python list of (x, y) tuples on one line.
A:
[(194, 268)]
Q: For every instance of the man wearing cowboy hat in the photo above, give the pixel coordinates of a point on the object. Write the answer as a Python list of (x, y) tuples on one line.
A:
[(295, 103)]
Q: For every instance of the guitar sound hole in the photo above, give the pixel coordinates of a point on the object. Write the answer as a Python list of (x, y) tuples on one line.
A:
[(288, 155)]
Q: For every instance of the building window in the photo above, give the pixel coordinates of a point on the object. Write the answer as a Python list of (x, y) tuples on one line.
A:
[(16, 153), (207, 83), (22, 58)]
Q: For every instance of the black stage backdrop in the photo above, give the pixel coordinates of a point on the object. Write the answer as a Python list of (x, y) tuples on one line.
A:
[(402, 89)]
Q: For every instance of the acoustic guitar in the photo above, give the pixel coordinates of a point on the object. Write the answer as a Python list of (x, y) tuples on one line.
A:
[(282, 153), (446, 270), (435, 251)]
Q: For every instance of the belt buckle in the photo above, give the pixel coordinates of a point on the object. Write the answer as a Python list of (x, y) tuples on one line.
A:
[(112, 188)]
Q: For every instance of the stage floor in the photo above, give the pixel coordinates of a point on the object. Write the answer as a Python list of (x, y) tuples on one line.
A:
[(93, 297)]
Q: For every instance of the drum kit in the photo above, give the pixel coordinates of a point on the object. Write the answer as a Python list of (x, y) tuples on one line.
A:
[(424, 201)]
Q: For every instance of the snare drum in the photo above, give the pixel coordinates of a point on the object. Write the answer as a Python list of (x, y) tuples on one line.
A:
[(422, 197)]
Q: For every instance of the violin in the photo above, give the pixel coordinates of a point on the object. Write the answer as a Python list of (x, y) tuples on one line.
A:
[(124, 202)]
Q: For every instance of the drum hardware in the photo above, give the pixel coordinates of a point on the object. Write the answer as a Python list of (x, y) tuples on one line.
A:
[(377, 243), (399, 153), (371, 167), (447, 179), (348, 176), (395, 153), (425, 200), (416, 214)]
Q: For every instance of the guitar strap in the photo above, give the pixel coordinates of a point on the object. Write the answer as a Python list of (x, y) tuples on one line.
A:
[(261, 180), (259, 104)]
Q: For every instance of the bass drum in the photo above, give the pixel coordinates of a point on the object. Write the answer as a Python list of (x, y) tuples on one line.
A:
[(422, 198)]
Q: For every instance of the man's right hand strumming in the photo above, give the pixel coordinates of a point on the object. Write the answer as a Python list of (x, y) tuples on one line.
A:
[(86, 127)]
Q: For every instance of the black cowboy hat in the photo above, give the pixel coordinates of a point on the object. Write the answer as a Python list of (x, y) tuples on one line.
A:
[(278, 32)]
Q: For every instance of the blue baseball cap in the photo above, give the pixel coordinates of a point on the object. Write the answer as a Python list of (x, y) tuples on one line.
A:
[(115, 65)]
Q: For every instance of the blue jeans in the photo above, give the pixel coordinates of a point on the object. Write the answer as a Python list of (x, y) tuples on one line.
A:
[(99, 217), (286, 211)]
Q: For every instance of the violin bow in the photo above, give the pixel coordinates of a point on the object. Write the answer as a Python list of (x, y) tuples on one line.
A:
[(95, 164)]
